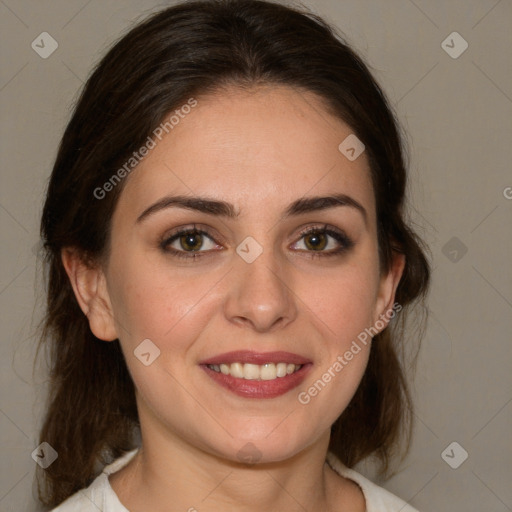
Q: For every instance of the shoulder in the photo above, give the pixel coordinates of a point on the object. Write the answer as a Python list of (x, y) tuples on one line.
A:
[(377, 498), (99, 495), (86, 500)]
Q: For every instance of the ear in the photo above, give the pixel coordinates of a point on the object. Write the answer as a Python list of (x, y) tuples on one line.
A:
[(387, 290), (89, 284)]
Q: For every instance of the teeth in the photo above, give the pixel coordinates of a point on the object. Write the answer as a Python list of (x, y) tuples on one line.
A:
[(267, 371), (235, 370), (281, 369)]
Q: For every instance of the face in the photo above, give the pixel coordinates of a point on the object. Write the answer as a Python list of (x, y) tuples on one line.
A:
[(230, 290)]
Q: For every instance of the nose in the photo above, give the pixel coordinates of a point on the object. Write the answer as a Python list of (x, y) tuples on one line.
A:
[(260, 294)]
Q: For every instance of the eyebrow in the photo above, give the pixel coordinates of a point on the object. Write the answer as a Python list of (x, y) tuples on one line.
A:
[(225, 209)]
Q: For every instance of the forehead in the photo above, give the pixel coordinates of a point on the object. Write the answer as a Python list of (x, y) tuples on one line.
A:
[(256, 148)]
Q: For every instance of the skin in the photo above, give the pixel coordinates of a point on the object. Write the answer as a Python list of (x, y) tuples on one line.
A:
[(259, 150)]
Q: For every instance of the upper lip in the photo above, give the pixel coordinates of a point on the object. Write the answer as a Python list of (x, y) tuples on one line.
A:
[(248, 356)]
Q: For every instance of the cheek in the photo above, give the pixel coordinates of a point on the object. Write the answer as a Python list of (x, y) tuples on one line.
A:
[(342, 310), (157, 304), (344, 301)]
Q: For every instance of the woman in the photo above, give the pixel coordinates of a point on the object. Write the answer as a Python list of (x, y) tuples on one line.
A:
[(229, 271)]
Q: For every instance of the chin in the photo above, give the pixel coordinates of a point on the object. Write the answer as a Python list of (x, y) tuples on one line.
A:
[(258, 447)]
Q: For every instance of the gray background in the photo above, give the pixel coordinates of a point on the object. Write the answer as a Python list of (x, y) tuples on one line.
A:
[(457, 113)]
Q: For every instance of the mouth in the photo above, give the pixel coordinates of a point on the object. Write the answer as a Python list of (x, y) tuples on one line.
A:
[(247, 371), (257, 375)]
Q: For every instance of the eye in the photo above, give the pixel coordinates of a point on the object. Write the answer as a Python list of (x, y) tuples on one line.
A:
[(324, 241), (317, 241), (187, 242)]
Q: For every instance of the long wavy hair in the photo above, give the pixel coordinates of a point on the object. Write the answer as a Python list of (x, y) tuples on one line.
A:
[(184, 51)]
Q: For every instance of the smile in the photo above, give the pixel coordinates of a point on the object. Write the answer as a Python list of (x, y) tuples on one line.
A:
[(251, 374), (267, 371)]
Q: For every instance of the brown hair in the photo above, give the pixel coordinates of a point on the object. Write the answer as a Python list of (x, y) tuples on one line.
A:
[(184, 51)]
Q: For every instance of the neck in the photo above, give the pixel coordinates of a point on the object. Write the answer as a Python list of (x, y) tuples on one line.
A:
[(174, 470), (171, 473)]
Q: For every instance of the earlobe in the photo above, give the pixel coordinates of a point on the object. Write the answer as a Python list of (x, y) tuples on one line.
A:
[(89, 286), (387, 290)]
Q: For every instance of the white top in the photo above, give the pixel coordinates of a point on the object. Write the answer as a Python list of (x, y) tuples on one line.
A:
[(100, 496)]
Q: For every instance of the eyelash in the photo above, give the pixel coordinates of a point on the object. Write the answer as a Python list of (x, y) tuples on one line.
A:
[(345, 242)]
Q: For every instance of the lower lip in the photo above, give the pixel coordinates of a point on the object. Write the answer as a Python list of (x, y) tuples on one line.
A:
[(259, 388)]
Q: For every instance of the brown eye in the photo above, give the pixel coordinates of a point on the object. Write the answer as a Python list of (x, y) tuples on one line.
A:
[(191, 241), (316, 241)]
